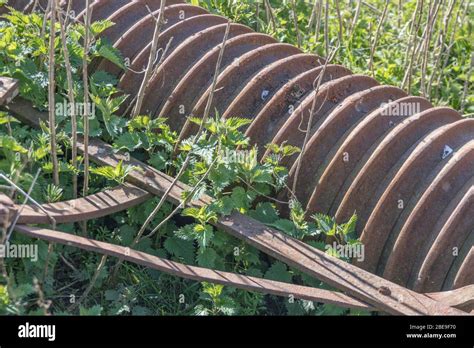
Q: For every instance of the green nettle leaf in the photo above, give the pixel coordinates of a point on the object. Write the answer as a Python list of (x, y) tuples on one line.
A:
[(159, 160), (297, 215), (128, 141), (206, 258), (279, 271), (117, 173), (225, 206), (5, 118), (265, 212), (95, 310), (112, 54), (261, 176), (180, 248), (213, 290), (325, 224), (53, 193), (203, 234), (241, 199), (113, 124), (99, 27), (221, 177), (235, 123), (349, 227), (203, 214), (9, 143), (286, 226)]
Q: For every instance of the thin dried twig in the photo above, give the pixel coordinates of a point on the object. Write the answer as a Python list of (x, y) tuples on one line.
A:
[(311, 115), (85, 78), (312, 19), (431, 21), (45, 19), (412, 46), (466, 84), (376, 37), (270, 14), (339, 19), (326, 27), (438, 52), (151, 60), (51, 94), (295, 23), (459, 19), (91, 285), (70, 85), (318, 21), (27, 198), (356, 18)]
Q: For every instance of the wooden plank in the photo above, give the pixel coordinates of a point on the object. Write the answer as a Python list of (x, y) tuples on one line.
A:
[(240, 281), (365, 286), (9, 89)]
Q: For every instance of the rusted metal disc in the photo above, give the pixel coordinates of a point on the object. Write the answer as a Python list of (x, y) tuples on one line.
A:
[(394, 205), (125, 17), (362, 194), (464, 256), (369, 132), (420, 225), (182, 100), (465, 275), (330, 132), (409, 206), (131, 80), (235, 77), (101, 9), (77, 6), (263, 86), (18, 5), (181, 60), (430, 276), (275, 112), (328, 97), (140, 35)]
